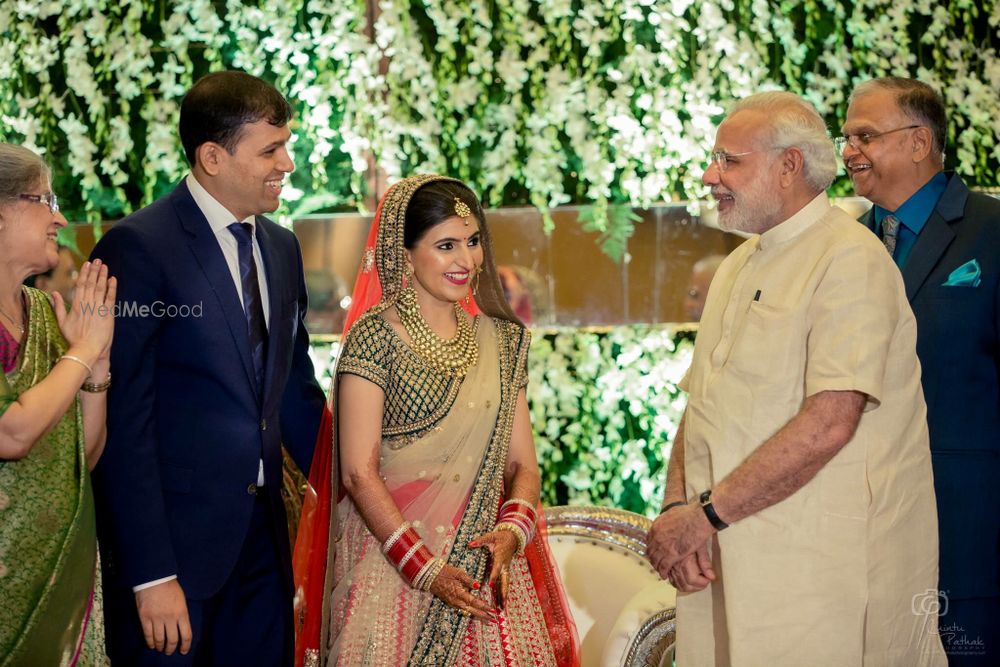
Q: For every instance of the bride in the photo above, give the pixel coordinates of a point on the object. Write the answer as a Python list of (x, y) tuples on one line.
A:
[(435, 555)]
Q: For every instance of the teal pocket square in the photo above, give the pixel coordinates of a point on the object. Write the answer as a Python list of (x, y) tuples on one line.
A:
[(967, 275)]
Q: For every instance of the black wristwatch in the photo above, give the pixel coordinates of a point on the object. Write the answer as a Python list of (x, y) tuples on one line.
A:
[(713, 517)]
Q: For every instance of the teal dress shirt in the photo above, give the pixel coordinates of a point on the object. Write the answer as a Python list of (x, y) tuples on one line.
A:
[(912, 216)]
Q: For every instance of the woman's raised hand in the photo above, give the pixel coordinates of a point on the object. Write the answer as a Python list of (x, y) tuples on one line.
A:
[(456, 588), (90, 322)]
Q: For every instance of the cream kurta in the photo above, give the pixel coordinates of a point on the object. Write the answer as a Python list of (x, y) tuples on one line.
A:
[(833, 574)]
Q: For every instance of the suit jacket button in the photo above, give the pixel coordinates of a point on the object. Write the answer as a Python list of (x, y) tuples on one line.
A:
[(252, 489), (263, 424)]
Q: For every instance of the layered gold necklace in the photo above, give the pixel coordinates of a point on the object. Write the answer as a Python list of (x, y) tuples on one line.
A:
[(452, 356)]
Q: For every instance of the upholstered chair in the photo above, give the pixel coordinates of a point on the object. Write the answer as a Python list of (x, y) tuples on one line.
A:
[(623, 611)]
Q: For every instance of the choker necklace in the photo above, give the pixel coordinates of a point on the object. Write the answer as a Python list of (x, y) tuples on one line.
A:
[(454, 356), (12, 320)]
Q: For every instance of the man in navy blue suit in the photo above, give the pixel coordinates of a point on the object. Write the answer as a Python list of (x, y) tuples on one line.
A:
[(946, 241), (212, 376)]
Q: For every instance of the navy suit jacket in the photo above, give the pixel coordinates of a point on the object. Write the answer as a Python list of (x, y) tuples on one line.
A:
[(958, 342), (185, 428)]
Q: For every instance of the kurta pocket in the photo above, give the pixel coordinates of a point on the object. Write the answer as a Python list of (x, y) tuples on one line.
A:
[(770, 345)]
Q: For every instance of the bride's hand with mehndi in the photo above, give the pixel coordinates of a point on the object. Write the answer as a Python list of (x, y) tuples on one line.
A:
[(455, 587), (502, 545)]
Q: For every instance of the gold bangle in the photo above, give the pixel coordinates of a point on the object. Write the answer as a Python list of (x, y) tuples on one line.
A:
[(428, 573), (97, 387), (434, 569), (519, 534), (90, 371)]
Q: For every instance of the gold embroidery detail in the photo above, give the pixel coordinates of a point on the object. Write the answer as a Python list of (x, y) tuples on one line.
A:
[(363, 368), (417, 396)]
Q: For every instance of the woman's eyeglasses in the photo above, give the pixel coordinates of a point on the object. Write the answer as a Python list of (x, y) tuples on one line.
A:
[(49, 199)]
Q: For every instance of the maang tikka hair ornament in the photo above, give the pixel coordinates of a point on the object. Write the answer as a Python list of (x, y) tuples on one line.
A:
[(462, 210)]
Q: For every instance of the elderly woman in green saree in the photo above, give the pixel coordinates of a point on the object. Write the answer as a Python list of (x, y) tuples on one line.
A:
[(51, 434)]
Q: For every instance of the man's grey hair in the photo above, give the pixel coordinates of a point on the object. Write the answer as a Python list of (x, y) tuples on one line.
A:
[(795, 123), (917, 100)]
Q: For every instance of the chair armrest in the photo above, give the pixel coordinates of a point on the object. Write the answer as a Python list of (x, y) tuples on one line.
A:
[(644, 630)]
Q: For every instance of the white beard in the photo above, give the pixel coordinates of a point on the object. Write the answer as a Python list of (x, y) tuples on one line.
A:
[(753, 209)]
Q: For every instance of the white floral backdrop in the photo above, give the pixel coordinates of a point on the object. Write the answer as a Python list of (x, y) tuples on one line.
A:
[(600, 102)]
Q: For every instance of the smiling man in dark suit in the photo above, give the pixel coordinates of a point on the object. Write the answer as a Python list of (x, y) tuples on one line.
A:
[(212, 376), (946, 241)]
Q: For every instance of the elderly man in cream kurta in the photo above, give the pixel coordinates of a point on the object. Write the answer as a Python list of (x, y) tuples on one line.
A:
[(805, 428)]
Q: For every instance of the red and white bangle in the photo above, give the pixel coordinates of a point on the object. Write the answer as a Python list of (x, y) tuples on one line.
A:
[(409, 555), (525, 507), (518, 516), (396, 534)]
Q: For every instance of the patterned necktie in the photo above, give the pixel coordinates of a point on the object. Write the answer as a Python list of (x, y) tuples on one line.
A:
[(890, 228), (252, 305)]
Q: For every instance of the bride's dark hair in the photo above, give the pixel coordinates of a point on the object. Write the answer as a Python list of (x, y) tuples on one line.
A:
[(434, 203)]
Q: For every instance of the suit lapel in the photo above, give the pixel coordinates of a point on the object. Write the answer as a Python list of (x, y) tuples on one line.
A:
[(207, 252), (935, 237)]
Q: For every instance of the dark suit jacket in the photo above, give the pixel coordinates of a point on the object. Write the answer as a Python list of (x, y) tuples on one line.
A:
[(185, 428), (958, 342)]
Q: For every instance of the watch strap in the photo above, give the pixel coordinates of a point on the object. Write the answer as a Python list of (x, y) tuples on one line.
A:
[(713, 516), (670, 506)]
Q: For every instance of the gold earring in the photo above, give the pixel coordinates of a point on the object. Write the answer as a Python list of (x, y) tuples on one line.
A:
[(408, 276), (475, 280)]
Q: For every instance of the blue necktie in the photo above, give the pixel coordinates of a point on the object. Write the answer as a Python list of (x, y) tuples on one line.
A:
[(252, 306)]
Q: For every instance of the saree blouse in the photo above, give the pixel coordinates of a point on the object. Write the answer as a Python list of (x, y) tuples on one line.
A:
[(417, 395)]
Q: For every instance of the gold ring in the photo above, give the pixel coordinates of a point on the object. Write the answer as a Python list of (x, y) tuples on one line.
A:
[(464, 612)]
